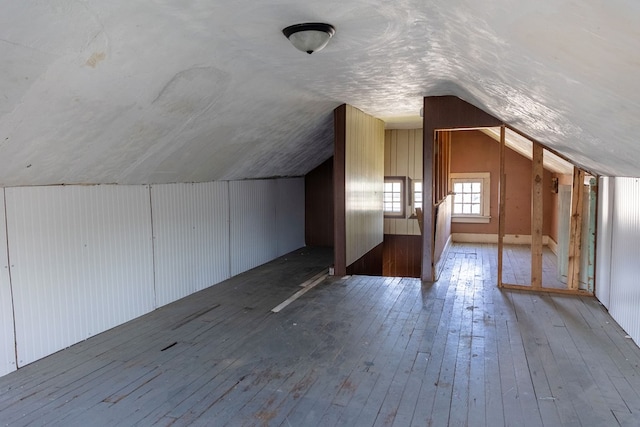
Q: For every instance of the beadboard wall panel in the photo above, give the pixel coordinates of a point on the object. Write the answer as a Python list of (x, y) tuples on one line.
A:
[(253, 224), (403, 157), (604, 239), (290, 214), (364, 181), (7, 337), (190, 238), (81, 262), (625, 253)]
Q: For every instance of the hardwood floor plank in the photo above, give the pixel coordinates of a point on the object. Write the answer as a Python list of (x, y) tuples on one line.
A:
[(357, 350)]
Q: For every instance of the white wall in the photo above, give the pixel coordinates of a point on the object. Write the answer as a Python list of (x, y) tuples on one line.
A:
[(7, 338), (624, 269), (254, 239), (190, 238), (84, 258), (81, 262), (603, 242)]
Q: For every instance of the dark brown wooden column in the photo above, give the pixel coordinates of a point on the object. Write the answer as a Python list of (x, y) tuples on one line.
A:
[(339, 238)]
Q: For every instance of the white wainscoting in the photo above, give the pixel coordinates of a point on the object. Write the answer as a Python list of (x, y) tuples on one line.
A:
[(81, 262), (7, 337), (603, 242), (624, 304), (254, 237), (190, 238), (83, 259)]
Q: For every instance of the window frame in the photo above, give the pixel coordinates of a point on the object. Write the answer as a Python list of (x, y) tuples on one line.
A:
[(484, 216), (403, 197)]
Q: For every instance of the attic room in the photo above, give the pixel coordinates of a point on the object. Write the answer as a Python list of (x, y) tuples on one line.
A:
[(429, 218)]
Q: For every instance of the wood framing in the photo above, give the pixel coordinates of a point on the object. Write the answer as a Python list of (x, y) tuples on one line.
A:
[(575, 238), (537, 172), (502, 186)]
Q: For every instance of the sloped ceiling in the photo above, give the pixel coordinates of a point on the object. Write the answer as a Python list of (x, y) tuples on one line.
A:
[(168, 91)]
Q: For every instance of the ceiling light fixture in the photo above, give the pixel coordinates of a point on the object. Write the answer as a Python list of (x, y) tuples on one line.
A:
[(309, 37)]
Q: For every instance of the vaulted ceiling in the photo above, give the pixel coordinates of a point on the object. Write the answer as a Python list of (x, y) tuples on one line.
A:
[(167, 91)]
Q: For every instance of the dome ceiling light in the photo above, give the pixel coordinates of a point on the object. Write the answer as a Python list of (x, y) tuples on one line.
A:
[(310, 37)]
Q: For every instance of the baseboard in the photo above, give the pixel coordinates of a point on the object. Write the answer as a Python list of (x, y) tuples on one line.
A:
[(509, 239)]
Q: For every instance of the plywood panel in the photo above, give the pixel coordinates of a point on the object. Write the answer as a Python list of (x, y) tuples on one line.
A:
[(190, 238), (364, 176), (81, 262), (253, 225), (290, 214), (7, 337), (625, 253)]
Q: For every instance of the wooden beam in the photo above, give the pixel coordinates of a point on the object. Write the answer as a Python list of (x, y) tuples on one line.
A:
[(537, 173), (340, 227), (575, 238), (548, 290), (501, 203)]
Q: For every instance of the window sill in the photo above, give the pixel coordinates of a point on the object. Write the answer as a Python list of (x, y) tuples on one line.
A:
[(471, 219)]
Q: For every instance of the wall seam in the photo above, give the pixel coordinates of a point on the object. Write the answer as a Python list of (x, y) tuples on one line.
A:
[(153, 252), (13, 306)]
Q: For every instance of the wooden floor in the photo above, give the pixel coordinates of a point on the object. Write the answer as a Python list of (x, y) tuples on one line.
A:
[(516, 269), (357, 351)]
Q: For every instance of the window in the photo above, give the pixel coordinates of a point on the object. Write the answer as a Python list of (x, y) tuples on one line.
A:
[(471, 196), (417, 194), (394, 196)]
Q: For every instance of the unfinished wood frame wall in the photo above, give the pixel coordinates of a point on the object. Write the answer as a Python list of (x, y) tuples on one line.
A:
[(537, 217), (451, 113)]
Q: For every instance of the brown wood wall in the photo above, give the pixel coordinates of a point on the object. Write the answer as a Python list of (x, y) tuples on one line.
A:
[(402, 255), (318, 205), (370, 264), (473, 151)]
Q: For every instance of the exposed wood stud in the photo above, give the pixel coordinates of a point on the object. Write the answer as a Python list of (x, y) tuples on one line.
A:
[(537, 172), (502, 184), (575, 238)]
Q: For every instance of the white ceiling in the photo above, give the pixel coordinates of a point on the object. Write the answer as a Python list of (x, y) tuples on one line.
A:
[(165, 91)]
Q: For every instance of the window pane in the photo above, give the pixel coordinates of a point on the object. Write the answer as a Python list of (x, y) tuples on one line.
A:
[(388, 186), (457, 208), (396, 187), (466, 198), (466, 209), (475, 198), (466, 187), (475, 209), (476, 187), (457, 187), (417, 186)]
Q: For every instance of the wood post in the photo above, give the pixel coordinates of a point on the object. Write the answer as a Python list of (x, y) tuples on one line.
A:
[(501, 202), (537, 173), (575, 238)]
